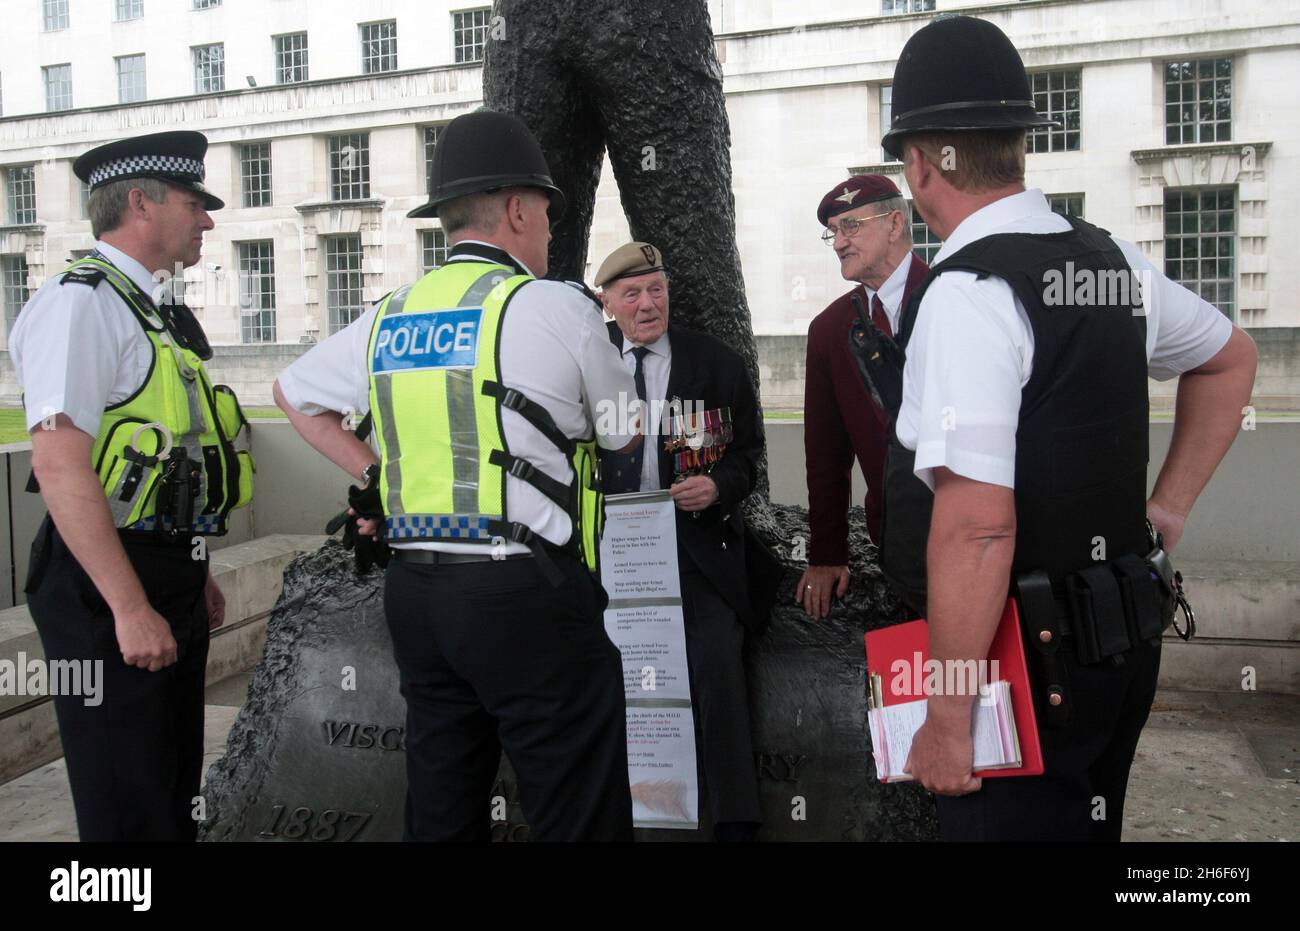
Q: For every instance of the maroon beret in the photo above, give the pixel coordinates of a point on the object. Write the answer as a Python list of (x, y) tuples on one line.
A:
[(853, 193)]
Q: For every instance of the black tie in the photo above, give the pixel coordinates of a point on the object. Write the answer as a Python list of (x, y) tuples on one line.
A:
[(622, 472)]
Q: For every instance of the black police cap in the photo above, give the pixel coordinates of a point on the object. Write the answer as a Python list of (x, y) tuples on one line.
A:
[(959, 73), (487, 151), (174, 157)]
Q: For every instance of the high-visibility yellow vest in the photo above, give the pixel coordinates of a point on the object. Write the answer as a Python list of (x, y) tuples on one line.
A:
[(177, 407), (436, 398)]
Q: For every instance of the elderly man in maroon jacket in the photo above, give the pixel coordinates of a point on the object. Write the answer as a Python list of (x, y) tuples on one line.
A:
[(867, 225)]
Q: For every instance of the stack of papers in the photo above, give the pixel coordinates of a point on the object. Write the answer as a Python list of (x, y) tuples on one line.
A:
[(993, 732)]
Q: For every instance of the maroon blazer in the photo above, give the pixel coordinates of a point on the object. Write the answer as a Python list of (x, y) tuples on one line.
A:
[(840, 422)]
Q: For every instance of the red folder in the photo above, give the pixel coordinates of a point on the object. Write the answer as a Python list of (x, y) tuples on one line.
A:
[(905, 641)]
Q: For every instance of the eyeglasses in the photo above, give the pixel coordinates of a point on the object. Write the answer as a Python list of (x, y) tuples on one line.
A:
[(849, 226)]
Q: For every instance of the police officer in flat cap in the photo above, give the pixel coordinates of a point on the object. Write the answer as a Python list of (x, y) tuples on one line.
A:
[(483, 383), (705, 451), (133, 452), (865, 221), (1020, 456)]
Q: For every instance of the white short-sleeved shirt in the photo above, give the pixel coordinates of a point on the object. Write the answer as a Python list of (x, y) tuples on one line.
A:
[(76, 350), (971, 350), (554, 348)]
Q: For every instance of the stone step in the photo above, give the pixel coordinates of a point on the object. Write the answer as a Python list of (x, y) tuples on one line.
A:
[(250, 575), (1247, 628)]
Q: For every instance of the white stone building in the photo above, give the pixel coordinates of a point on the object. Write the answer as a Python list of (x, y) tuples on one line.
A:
[(1182, 133)]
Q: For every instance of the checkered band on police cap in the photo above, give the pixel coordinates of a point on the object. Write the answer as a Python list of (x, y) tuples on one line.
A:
[(186, 169)]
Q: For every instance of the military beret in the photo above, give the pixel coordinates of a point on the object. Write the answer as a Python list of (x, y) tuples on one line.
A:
[(635, 258), (853, 193), (174, 157)]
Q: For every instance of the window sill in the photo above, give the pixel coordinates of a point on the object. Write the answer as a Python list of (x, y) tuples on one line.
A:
[(883, 168), (372, 203), (1191, 149), (22, 228)]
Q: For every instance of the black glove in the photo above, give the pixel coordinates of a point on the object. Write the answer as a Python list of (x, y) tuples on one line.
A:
[(366, 550)]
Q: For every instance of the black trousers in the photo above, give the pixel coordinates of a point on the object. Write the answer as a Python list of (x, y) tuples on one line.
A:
[(134, 760), (1080, 796), (724, 747), (491, 655)]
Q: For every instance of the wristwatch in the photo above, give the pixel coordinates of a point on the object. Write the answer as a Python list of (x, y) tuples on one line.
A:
[(369, 475)]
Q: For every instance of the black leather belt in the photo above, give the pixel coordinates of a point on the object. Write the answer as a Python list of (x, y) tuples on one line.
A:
[(436, 557)]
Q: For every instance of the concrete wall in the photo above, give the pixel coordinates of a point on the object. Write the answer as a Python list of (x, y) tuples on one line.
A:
[(1277, 386), (21, 514), (1240, 555), (1249, 511)]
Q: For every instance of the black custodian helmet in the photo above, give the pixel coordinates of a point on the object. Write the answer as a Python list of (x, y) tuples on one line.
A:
[(959, 73), (487, 151)]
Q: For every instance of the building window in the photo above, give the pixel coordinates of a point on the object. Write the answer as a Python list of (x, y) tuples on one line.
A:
[(433, 249), (924, 243), (431, 134), (379, 47), (13, 271), (58, 87), (128, 9), (257, 292), (209, 68), (55, 14), (469, 34), (1198, 101), (130, 78), (890, 7), (886, 114), (83, 197), (350, 166), (1200, 243), (291, 58), (22, 195), (1068, 204), (343, 280), (206, 4), (1056, 96), (255, 174)]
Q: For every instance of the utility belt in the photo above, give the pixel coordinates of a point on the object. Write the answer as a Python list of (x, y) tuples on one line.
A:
[(425, 557), (42, 550), (1104, 611)]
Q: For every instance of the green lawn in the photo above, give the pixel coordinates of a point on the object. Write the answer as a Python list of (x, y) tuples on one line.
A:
[(12, 425), (12, 422)]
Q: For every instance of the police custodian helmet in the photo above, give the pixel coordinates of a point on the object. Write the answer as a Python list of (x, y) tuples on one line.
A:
[(486, 151), (959, 74)]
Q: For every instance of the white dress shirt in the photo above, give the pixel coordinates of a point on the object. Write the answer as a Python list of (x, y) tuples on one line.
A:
[(76, 350), (656, 367), (554, 348), (891, 293), (971, 350)]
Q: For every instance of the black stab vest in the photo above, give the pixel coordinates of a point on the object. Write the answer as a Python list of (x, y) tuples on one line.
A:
[(1081, 441)]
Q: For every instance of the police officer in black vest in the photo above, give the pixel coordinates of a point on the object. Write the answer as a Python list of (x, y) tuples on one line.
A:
[(1018, 460)]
